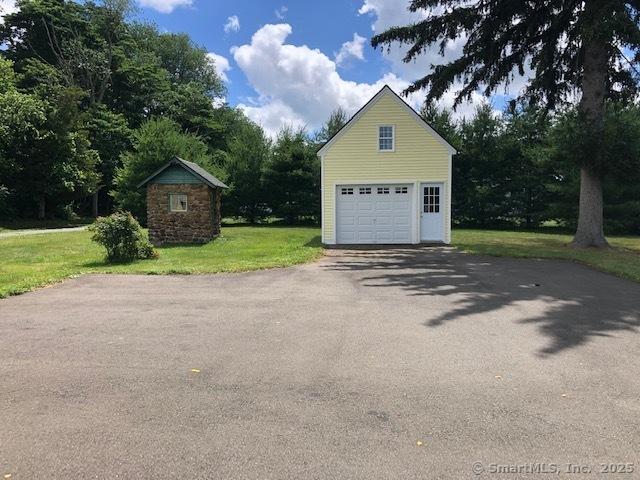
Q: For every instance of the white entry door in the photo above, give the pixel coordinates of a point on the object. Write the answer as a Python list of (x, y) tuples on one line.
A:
[(432, 212), (373, 214)]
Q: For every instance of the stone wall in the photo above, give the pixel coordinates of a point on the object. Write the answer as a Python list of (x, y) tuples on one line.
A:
[(199, 224)]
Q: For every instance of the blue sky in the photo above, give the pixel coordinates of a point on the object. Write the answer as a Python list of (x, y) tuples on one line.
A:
[(319, 25), (292, 61)]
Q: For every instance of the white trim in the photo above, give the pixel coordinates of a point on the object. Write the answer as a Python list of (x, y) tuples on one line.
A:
[(335, 213), (393, 137), (386, 90), (417, 209), (444, 202), (449, 201), (322, 220)]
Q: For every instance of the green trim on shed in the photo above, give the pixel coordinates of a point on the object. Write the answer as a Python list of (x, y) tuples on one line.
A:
[(192, 168), (175, 175)]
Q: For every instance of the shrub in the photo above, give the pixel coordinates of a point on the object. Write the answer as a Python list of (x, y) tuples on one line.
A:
[(123, 238)]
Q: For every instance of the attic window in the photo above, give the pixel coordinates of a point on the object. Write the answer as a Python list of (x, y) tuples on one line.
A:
[(178, 202), (386, 140)]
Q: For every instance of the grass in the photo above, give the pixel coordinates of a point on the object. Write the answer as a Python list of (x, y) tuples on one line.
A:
[(28, 262), (39, 260), (623, 259)]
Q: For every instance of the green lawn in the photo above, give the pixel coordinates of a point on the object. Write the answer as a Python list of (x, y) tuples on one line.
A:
[(28, 262), (623, 259)]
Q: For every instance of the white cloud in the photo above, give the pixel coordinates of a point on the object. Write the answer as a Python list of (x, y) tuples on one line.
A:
[(351, 49), (222, 65), (232, 25), (386, 14), (297, 85), (165, 6), (389, 13), (7, 7), (281, 12)]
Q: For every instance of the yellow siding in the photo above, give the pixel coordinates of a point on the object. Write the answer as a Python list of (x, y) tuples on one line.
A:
[(354, 157)]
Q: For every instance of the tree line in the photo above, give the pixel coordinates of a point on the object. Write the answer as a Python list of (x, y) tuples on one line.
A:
[(521, 167), (92, 102)]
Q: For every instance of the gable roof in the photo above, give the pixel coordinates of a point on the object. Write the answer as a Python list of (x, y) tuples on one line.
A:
[(190, 167), (386, 90)]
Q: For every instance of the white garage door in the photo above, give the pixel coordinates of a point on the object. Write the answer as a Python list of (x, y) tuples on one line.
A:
[(374, 214)]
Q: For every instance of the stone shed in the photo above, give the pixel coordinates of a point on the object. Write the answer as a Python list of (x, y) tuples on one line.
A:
[(183, 204)]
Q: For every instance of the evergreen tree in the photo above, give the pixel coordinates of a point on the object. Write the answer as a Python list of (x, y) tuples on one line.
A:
[(441, 120), (479, 193), (621, 137), (292, 177), (569, 45), (248, 153), (335, 122), (526, 169)]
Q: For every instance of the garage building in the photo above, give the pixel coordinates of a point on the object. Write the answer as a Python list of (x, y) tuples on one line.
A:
[(386, 178)]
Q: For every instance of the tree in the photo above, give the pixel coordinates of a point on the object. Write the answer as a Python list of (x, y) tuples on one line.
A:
[(527, 171), (479, 193), (81, 41), (45, 151), (110, 136), (248, 153), (569, 45), (120, 74), (621, 137), (441, 120), (292, 177), (335, 122), (154, 144), (21, 118)]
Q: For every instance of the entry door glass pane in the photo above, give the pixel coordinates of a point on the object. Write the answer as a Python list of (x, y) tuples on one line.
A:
[(431, 199)]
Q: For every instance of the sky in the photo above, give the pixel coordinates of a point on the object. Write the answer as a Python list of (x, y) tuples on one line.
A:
[(292, 62)]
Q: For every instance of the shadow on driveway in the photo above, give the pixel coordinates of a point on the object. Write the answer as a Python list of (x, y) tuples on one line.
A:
[(579, 302)]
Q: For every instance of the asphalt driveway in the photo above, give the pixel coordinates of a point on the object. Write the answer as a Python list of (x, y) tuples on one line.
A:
[(394, 364)]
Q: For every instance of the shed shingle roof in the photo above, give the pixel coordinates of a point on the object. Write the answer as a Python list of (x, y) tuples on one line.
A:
[(192, 168)]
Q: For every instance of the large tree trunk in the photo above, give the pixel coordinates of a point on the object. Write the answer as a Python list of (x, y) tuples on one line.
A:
[(590, 232)]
